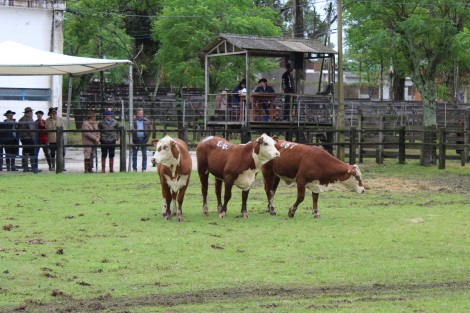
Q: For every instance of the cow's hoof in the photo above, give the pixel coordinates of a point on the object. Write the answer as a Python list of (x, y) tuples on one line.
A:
[(167, 217), (206, 213), (290, 214), (219, 208), (272, 212), (245, 215), (173, 213), (179, 219), (222, 214), (316, 215)]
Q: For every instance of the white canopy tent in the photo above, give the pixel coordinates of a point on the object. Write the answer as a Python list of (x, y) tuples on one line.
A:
[(20, 60)]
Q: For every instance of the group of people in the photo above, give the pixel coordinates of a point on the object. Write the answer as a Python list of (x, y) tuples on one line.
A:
[(33, 135), (288, 86), (106, 133)]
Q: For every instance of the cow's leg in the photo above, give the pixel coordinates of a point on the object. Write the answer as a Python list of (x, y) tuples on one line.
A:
[(300, 198), (218, 194), (173, 203), (244, 200), (204, 178), (271, 182), (166, 193), (227, 196), (179, 213), (315, 204)]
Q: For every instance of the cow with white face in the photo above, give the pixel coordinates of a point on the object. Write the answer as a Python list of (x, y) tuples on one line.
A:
[(174, 167), (310, 168), (232, 164)]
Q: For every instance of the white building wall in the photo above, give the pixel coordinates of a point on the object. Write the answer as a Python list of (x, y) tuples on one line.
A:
[(31, 26)]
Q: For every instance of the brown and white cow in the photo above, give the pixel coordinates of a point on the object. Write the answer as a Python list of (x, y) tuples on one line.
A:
[(174, 167), (232, 164), (310, 167)]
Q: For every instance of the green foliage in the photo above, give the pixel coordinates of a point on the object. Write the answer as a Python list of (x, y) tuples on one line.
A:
[(184, 28), (98, 242), (418, 38)]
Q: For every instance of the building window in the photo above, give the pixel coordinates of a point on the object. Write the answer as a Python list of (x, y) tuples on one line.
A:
[(25, 94)]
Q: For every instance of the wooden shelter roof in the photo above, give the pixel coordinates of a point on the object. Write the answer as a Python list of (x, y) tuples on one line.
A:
[(227, 44)]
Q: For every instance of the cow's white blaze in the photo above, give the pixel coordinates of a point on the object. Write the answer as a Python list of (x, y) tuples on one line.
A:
[(164, 156), (246, 179), (267, 151), (176, 183)]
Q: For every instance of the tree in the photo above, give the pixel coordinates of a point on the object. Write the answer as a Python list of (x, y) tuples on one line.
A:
[(421, 36), (184, 28)]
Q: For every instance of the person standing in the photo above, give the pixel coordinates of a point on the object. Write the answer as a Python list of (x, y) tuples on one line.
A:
[(52, 122), (90, 137), (10, 141), (27, 137), (288, 87), (140, 136), (238, 92), (43, 139), (109, 135)]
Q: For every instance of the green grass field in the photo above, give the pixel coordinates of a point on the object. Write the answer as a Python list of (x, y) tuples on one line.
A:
[(97, 242)]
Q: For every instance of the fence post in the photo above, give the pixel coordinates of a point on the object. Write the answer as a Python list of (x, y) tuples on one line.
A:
[(380, 150), (352, 146), (442, 148), (401, 145), (60, 149), (361, 154), (122, 149)]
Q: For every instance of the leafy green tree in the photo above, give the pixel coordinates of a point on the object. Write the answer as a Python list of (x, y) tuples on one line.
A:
[(422, 36), (185, 28)]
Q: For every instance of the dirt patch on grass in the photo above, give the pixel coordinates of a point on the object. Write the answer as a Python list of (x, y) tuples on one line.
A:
[(448, 184), (370, 293)]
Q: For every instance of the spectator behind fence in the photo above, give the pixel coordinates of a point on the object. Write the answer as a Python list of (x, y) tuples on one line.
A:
[(52, 122), (10, 140), (239, 90), (43, 137), (109, 136), (288, 87), (27, 137), (92, 138), (140, 136), (264, 88)]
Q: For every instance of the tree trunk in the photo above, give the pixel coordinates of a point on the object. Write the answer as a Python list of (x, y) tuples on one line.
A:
[(428, 93), (398, 88)]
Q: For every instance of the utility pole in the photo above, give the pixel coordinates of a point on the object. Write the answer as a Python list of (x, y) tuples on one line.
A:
[(298, 29), (340, 119)]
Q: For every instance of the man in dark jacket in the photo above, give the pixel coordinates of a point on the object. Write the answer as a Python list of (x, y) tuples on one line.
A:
[(140, 137), (264, 88), (288, 87), (28, 137), (109, 136)]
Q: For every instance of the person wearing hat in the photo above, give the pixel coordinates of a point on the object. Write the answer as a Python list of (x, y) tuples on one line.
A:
[(52, 123), (264, 88), (109, 135), (90, 138), (27, 137), (43, 139), (9, 140)]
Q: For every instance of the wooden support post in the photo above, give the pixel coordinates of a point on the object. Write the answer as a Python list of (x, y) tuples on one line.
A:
[(122, 149), (352, 146), (60, 150), (401, 145), (442, 148)]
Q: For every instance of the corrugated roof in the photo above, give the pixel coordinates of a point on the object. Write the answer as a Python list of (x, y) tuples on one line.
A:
[(272, 45)]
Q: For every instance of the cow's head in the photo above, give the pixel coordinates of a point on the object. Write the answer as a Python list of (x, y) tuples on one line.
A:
[(265, 149), (354, 180), (166, 151)]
